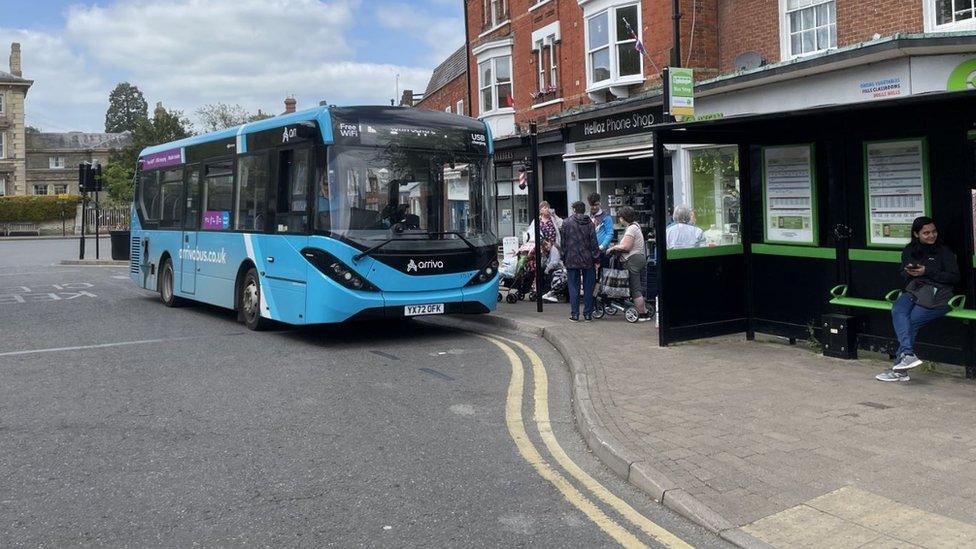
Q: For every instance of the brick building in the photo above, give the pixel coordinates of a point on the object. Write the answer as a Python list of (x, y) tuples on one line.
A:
[(447, 89), (574, 68), (53, 158), (13, 91)]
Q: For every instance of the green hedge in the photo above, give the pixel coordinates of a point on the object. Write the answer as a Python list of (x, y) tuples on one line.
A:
[(35, 208)]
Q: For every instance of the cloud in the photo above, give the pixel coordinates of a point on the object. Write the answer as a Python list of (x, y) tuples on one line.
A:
[(187, 53), (64, 84), (442, 34)]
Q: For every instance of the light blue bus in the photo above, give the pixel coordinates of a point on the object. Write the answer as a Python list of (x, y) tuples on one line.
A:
[(321, 216)]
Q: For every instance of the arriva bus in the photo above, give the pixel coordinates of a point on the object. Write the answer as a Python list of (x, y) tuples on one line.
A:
[(320, 216)]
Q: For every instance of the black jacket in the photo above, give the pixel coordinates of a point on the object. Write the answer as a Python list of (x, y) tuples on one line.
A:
[(941, 272), (578, 242)]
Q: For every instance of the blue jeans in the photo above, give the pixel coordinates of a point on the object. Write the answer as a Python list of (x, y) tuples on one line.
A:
[(908, 318), (589, 282)]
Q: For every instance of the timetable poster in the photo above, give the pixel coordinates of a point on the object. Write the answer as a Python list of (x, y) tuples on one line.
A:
[(790, 194), (896, 190)]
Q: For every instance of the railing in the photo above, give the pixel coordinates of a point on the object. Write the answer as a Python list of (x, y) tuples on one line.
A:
[(108, 219)]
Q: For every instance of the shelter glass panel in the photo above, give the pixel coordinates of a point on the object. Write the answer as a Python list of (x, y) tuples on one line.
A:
[(711, 216)]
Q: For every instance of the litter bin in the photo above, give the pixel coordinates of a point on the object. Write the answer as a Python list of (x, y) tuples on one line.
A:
[(120, 245)]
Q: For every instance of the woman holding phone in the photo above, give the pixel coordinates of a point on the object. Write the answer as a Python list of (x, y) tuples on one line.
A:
[(930, 271)]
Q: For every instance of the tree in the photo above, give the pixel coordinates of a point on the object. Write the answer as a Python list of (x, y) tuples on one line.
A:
[(217, 116), (31, 129), (126, 106), (165, 126)]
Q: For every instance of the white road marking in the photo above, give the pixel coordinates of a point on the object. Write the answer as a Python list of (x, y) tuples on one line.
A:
[(101, 345)]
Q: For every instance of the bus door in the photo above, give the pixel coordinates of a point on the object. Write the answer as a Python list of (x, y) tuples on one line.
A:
[(285, 267), (191, 224)]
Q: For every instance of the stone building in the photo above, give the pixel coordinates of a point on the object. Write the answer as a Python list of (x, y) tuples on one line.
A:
[(53, 158), (13, 91)]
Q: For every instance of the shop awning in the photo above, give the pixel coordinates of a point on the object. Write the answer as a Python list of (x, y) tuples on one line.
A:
[(644, 150)]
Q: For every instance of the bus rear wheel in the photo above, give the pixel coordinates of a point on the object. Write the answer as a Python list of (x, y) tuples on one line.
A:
[(250, 302), (166, 281)]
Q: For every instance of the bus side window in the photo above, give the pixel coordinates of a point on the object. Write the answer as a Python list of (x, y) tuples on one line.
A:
[(292, 195), (150, 201), (252, 202), (191, 220), (218, 196), (171, 198)]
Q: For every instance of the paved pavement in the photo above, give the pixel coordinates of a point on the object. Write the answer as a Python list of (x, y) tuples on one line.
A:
[(774, 440), (124, 423)]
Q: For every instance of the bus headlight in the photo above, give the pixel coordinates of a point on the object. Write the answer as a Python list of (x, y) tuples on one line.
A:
[(485, 274), (332, 267)]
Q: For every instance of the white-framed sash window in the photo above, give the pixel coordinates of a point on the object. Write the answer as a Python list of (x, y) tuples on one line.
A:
[(55, 162), (949, 15), (495, 84), (807, 27)]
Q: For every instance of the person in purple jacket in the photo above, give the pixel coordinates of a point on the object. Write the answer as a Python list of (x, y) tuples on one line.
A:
[(580, 254)]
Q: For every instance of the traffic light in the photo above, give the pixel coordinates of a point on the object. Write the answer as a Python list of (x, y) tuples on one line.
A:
[(89, 177)]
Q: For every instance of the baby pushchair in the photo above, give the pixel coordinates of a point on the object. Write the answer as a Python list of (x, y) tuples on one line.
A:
[(518, 276), (614, 294)]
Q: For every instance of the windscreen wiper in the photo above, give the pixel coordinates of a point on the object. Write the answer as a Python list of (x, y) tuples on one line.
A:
[(457, 234), (356, 258)]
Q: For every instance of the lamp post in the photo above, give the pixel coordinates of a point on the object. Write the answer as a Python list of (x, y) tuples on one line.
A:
[(534, 209)]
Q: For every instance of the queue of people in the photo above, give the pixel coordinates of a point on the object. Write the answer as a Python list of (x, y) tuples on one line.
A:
[(582, 245)]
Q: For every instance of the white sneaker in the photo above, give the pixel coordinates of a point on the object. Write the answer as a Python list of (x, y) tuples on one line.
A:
[(549, 297)]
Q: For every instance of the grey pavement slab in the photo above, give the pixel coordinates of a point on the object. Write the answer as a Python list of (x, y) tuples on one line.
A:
[(751, 429)]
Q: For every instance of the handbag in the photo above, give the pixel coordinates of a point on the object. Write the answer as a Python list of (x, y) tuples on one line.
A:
[(928, 295), (614, 282)]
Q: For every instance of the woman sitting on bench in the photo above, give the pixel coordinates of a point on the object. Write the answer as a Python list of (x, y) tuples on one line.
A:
[(931, 271)]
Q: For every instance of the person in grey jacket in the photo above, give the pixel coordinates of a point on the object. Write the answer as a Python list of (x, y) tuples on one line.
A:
[(580, 252), (930, 271)]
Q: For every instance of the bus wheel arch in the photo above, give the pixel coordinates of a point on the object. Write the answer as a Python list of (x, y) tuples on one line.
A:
[(166, 282), (248, 299)]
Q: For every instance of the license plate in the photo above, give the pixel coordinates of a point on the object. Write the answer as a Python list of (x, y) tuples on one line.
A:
[(429, 309)]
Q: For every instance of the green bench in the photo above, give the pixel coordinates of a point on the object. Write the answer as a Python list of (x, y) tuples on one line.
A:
[(839, 297)]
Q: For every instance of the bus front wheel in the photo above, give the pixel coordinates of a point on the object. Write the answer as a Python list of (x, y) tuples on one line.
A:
[(250, 302), (166, 278)]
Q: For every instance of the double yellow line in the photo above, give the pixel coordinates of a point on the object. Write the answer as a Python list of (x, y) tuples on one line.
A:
[(516, 427)]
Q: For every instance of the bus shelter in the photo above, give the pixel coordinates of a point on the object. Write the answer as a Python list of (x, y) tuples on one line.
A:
[(815, 207)]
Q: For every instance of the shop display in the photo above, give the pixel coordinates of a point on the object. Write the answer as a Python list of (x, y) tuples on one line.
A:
[(896, 175), (790, 194)]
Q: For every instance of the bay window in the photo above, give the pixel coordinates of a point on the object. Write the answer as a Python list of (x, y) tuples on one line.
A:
[(809, 26), (495, 84), (612, 52)]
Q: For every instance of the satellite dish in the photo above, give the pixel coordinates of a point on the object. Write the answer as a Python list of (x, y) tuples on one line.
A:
[(747, 61)]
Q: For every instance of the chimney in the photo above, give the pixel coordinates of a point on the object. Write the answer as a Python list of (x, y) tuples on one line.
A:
[(407, 100), (15, 68), (160, 111), (290, 104)]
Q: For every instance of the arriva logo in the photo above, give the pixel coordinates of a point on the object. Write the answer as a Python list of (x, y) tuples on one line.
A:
[(431, 264)]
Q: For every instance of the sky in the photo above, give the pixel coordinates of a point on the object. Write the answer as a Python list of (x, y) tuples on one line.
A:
[(188, 53)]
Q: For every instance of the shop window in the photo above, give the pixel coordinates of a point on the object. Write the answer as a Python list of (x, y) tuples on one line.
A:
[(495, 84), (253, 175), (612, 46), (218, 196), (713, 195), (950, 15), (809, 26)]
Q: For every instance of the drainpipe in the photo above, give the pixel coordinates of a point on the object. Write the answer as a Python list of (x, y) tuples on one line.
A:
[(676, 32)]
